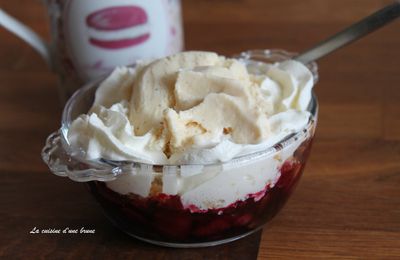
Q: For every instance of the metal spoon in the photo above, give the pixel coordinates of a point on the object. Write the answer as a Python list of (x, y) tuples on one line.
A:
[(351, 33)]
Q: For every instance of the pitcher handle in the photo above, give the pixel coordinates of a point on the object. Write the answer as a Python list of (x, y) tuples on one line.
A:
[(26, 34)]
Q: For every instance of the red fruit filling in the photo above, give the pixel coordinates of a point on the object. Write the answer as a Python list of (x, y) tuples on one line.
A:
[(163, 217)]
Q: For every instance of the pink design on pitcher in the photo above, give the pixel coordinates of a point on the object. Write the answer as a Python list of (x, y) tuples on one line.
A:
[(118, 27), (172, 31), (103, 34)]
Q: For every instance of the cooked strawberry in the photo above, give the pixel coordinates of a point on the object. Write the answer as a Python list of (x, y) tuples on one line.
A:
[(243, 220), (172, 224), (289, 170), (218, 225)]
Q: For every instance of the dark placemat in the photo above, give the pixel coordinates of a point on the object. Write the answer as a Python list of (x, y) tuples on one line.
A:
[(40, 201)]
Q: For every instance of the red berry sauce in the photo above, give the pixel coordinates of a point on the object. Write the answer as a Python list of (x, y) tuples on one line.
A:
[(163, 217)]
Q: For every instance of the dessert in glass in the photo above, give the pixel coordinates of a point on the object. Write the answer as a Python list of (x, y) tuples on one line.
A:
[(191, 150)]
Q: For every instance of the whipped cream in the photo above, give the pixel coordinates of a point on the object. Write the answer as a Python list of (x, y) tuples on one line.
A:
[(208, 187), (196, 108), (193, 107)]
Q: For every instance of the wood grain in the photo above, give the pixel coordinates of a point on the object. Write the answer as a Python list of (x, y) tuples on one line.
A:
[(347, 205)]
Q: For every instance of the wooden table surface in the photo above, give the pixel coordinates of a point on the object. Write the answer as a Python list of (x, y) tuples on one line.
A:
[(347, 204)]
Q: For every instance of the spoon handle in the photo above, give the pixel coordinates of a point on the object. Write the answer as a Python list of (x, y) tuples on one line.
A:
[(351, 33)]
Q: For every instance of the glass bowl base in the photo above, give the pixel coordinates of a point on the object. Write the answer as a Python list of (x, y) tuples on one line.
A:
[(119, 225)]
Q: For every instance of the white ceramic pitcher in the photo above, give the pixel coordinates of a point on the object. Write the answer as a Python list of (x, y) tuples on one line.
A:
[(91, 37)]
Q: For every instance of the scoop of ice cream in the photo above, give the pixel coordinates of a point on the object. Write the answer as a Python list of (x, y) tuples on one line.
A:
[(193, 107)]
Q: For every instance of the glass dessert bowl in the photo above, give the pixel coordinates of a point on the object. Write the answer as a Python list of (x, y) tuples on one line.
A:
[(220, 202)]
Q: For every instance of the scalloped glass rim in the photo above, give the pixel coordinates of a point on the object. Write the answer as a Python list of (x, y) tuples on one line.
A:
[(258, 56)]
